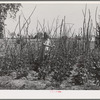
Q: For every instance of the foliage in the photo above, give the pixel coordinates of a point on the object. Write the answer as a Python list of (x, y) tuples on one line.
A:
[(12, 9), (70, 59)]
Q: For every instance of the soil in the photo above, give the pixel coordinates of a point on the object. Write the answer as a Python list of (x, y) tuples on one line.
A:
[(7, 82)]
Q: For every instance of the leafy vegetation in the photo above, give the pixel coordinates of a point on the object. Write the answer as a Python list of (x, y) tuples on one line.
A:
[(70, 62), (5, 9)]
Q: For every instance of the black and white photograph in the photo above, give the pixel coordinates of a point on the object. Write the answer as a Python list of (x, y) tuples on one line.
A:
[(49, 46)]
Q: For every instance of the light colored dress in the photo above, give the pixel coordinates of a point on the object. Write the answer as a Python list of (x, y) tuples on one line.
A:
[(47, 44)]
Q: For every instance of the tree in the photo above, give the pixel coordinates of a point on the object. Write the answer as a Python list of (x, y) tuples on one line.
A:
[(5, 9)]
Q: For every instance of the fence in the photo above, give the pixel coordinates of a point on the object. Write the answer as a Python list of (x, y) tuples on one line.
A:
[(35, 43)]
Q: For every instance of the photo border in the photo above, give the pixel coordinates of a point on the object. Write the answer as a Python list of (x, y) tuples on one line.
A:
[(53, 94)]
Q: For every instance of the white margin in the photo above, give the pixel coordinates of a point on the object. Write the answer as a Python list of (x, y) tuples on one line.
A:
[(50, 94)]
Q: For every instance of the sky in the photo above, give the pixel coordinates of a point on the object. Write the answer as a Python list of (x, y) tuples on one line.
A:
[(49, 12)]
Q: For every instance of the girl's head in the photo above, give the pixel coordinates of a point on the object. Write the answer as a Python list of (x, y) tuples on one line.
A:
[(46, 36)]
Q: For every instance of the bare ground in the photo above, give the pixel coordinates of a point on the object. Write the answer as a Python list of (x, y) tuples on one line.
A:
[(6, 82)]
